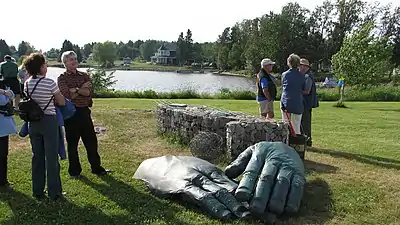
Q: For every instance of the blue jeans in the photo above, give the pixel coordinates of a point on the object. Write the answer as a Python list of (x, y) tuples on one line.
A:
[(44, 136)]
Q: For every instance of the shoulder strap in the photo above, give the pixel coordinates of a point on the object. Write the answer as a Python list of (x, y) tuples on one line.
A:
[(266, 75), (51, 99), (34, 88)]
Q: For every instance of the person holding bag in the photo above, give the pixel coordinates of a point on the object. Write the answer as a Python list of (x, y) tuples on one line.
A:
[(43, 128), (7, 127)]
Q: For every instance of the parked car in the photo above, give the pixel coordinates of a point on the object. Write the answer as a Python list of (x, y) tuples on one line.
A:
[(330, 82)]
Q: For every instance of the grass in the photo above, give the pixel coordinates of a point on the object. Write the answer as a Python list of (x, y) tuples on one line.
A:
[(352, 173), (379, 93), (146, 65)]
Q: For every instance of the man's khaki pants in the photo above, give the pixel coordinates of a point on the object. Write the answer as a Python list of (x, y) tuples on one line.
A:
[(266, 107)]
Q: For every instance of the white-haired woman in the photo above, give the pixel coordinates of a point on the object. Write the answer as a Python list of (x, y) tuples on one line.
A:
[(293, 84), (77, 86)]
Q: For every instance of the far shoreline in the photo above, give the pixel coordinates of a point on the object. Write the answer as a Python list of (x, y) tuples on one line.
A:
[(157, 69)]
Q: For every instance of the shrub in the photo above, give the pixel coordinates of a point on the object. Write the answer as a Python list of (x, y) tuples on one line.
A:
[(379, 93)]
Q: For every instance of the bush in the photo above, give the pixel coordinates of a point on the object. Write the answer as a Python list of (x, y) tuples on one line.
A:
[(101, 80), (380, 93)]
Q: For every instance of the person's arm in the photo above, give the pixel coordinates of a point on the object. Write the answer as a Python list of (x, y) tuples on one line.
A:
[(9, 96), (64, 89), (60, 100), (307, 86), (86, 88), (264, 86)]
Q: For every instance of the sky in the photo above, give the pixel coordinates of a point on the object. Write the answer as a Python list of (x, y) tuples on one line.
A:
[(47, 23)]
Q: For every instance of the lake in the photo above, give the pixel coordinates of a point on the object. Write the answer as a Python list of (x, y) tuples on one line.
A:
[(170, 81)]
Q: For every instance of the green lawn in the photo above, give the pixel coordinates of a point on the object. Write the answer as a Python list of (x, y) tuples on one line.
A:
[(352, 173), (151, 66)]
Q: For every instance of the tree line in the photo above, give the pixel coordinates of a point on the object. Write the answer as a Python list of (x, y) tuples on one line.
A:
[(315, 34), (331, 36)]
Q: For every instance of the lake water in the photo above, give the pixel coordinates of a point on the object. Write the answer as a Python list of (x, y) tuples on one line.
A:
[(170, 81)]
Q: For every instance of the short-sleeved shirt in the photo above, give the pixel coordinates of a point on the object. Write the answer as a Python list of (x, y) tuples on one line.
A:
[(8, 69), (293, 85), (43, 93), (309, 82), (340, 83), (264, 84), (22, 76)]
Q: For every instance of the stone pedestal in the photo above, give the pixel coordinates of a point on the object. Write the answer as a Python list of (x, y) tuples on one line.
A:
[(239, 130)]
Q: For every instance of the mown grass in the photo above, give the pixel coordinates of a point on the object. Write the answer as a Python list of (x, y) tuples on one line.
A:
[(352, 173), (380, 93)]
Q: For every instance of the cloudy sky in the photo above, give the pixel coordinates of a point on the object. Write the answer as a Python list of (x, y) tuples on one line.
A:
[(48, 23)]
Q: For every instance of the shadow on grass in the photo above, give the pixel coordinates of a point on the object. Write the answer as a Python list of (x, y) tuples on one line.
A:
[(317, 167), (141, 206), (388, 110), (27, 210), (367, 159), (316, 207)]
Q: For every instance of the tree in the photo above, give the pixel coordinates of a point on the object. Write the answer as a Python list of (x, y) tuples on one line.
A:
[(182, 49), (197, 52), (208, 52), (53, 53), (222, 59), (4, 49), (66, 46), (223, 48), (363, 58), (87, 49), (24, 48), (148, 48), (122, 50), (13, 50), (189, 45), (78, 52), (101, 79), (105, 53)]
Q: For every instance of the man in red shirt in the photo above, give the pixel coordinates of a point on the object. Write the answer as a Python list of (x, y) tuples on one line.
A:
[(77, 86)]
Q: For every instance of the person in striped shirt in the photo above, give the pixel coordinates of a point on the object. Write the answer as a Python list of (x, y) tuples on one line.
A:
[(44, 134)]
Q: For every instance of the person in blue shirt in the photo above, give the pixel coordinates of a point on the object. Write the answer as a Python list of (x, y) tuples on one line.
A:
[(293, 85), (310, 99), (7, 127), (22, 76), (266, 89)]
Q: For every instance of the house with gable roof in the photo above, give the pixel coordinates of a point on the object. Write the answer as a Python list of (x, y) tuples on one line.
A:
[(165, 55)]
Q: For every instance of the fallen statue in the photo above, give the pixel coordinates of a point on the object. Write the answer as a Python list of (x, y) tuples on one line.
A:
[(272, 182)]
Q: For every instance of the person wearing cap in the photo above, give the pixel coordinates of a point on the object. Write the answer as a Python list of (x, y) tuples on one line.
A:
[(293, 85), (310, 98), (266, 89)]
